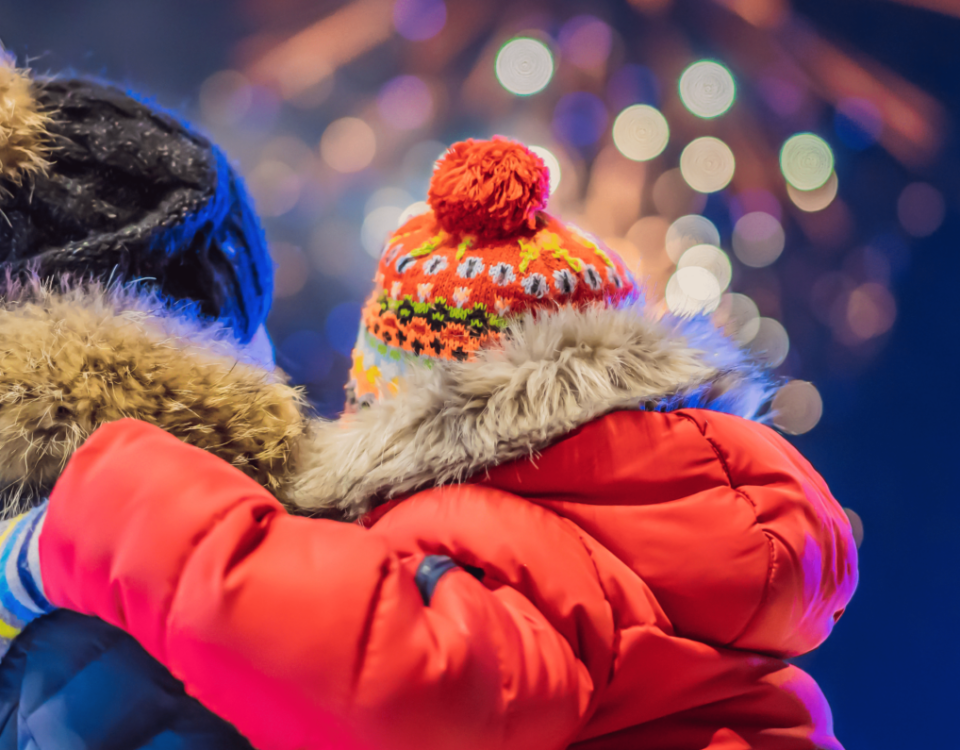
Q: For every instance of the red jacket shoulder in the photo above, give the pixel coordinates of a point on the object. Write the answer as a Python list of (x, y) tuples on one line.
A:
[(737, 535), (813, 571)]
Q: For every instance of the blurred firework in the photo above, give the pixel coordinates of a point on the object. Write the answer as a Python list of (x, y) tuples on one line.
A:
[(673, 129)]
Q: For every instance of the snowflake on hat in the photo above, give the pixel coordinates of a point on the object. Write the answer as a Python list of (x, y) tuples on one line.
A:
[(486, 250)]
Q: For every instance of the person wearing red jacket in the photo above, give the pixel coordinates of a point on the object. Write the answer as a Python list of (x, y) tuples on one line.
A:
[(569, 528)]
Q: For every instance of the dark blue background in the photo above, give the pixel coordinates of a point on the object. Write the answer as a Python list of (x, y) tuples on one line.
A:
[(888, 445)]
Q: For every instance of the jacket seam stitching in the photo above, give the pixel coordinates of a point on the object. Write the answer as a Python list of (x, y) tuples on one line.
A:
[(195, 546), (615, 642), (771, 548), (367, 633)]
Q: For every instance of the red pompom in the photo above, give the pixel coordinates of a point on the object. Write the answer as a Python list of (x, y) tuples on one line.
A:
[(491, 189)]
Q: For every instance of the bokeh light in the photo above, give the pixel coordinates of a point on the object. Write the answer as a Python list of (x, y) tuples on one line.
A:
[(314, 94), (856, 526), (806, 161), (640, 132), (648, 234), (758, 239), (377, 225), (707, 89), (348, 145), (797, 407), (920, 209), (688, 231), (418, 20), (585, 42), (871, 311), (552, 164), (274, 187), (292, 151), (405, 102), (387, 196), (617, 104), (815, 200), (264, 111), (384, 210), (629, 252), (692, 291), (225, 98), (711, 258), (857, 123), (524, 66), (707, 164), (579, 118), (414, 209), (771, 344), (739, 317)]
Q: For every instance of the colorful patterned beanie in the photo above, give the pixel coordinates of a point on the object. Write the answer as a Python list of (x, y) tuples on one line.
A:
[(449, 279)]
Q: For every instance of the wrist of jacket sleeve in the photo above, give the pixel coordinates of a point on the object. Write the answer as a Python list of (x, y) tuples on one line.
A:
[(22, 598)]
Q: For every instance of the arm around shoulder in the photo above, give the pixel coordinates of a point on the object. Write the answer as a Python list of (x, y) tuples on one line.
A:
[(813, 556), (295, 629)]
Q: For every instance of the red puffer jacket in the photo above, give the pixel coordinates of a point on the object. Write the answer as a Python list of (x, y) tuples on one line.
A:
[(636, 583), (642, 582)]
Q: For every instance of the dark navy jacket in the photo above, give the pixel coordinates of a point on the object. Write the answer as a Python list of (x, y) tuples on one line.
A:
[(71, 682)]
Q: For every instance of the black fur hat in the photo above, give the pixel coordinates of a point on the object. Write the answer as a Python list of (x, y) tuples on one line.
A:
[(96, 183)]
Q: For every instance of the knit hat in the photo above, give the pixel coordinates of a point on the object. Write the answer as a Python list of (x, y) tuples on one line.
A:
[(449, 279), (96, 184)]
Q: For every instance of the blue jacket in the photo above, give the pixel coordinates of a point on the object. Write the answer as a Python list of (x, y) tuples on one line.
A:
[(72, 682)]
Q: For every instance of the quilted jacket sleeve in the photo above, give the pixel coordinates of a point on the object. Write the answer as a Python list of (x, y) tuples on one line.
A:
[(812, 569), (273, 621)]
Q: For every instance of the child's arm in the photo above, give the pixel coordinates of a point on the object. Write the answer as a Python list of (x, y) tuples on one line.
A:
[(295, 629), (21, 592)]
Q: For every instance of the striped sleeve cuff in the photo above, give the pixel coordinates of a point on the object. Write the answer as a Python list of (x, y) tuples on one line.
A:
[(21, 588)]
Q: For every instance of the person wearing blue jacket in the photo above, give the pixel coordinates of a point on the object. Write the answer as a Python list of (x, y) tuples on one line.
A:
[(134, 281)]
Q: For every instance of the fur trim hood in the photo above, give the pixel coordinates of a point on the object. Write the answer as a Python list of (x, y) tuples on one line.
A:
[(552, 374), (75, 357), (24, 135), (72, 359)]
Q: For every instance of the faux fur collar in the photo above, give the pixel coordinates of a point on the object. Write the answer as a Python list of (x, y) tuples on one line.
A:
[(74, 358), (553, 373)]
